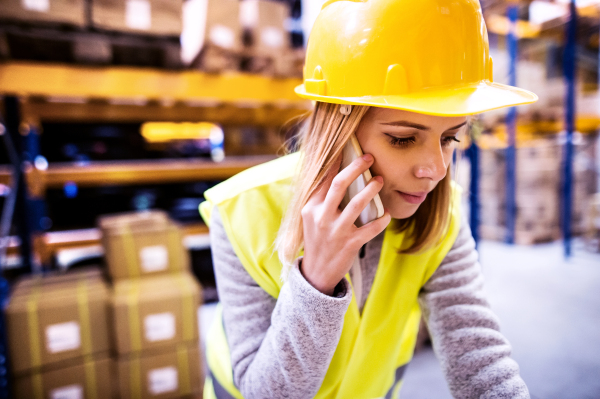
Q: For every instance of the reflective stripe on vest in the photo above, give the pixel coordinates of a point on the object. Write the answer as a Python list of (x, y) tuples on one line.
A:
[(375, 345)]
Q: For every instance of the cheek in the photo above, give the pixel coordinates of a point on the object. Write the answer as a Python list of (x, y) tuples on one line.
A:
[(448, 153), (393, 165)]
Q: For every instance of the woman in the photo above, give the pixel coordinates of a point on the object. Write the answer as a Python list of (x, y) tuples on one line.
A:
[(313, 306)]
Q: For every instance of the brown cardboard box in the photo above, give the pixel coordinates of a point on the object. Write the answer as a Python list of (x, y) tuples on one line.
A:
[(222, 34), (70, 12), (269, 49), (223, 28), (57, 321), (156, 17), (133, 219), (56, 281), (143, 247), (91, 379), (155, 312), (268, 29), (173, 374)]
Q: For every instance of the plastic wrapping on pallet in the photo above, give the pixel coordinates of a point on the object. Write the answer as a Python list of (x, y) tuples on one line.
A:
[(538, 188)]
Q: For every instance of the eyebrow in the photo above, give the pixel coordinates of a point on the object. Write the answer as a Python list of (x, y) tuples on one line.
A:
[(418, 126), (406, 124)]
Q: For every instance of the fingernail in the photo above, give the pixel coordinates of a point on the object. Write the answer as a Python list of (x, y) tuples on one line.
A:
[(367, 157), (378, 179)]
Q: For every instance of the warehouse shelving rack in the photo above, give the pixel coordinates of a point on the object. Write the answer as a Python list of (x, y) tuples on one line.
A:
[(33, 93), (65, 93), (502, 19)]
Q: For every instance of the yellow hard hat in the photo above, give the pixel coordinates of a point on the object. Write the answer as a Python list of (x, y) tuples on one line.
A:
[(426, 56)]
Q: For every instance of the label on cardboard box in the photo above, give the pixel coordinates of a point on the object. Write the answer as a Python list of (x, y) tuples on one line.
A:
[(162, 380), (138, 14), (272, 37), (68, 392), (36, 5), (154, 258), (63, 337), (222, 36), (159, 327)]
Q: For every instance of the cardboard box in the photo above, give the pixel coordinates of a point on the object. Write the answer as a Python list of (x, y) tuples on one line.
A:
[(53, 281), (155, 312), (71, 12), (133, 219), (91, 379), (173, 374), (223, 28), (155, 17), (217, 46), (142, 247), (266, 22), (51, 322)]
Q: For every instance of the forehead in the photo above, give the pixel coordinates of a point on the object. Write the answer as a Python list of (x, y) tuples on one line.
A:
[(386, 115)]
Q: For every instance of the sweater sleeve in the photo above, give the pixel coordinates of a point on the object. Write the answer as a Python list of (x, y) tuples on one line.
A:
[(280, 348), (474, 355)]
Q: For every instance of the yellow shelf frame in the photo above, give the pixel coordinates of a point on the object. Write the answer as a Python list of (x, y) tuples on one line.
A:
[(129, 84), (106, 173)]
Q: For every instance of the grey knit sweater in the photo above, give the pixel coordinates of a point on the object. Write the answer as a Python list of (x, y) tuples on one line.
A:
[(281, 348)]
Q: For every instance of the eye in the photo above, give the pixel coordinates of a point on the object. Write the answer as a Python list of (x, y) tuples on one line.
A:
[(448, 140), (400, 141)]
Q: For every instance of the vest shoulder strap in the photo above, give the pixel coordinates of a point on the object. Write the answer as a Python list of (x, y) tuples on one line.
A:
[(267, 173)]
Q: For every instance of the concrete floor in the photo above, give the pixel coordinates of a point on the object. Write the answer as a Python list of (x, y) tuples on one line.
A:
[(550, 312)]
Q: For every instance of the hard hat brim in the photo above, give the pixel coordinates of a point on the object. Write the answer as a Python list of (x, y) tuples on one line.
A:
[(452, 101)]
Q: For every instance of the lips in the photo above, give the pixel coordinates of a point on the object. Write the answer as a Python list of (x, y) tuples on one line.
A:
[(413, 198)]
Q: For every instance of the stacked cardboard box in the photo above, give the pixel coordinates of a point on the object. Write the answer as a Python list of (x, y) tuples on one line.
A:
[(70, 12), (223, 44), (58, 336), (154, 306), (268, 45), (538, 189), (152, 17), (250, 35), (142, 244)]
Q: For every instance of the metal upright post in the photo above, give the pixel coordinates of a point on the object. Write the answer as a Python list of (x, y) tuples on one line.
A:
[(569, 67), (473, 153), (13, 121), (4, 382), (511, 125)]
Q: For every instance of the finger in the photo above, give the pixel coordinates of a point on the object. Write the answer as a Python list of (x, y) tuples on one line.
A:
[(340, 183), (321, 191), (318, 196), (374, 228), (361, 201)]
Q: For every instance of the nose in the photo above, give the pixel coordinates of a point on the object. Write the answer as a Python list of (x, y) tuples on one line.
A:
[(432, 164)]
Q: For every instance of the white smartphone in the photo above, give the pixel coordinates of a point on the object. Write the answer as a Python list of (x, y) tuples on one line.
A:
[(374, 210)]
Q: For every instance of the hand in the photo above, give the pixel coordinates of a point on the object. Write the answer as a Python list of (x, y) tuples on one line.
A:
[(331, 239)]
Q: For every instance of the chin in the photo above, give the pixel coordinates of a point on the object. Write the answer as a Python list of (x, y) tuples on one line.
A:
[(401, 211)]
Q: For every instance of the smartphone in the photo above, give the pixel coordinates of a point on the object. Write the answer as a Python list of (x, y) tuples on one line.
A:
[(374, 210)]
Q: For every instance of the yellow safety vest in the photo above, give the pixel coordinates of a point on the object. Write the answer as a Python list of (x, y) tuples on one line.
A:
[(375, 346)]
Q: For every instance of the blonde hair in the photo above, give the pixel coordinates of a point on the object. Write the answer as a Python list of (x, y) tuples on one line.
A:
[(321, 141)]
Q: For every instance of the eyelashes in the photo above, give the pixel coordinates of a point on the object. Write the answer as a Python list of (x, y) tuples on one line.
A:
[(403, 142), (449, 140)]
